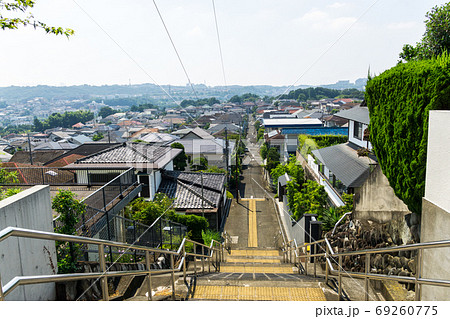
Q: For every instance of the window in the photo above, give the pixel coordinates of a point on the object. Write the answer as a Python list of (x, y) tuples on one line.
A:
[(357, 130)]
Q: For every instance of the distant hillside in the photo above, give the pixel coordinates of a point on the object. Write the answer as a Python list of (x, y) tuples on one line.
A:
[(144, 92)]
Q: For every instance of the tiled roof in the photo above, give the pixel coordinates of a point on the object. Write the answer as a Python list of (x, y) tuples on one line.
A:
[(357, 113), (39, 157), (343, 161), (132, 154), (186, 189)]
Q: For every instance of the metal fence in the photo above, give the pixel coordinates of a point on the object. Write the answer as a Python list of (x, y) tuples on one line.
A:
[(60, 176), (112, 192), (163, 234)]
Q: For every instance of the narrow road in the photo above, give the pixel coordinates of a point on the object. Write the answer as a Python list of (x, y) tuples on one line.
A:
[(240, 223)]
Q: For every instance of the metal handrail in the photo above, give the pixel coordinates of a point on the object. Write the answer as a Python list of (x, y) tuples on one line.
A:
[(330, 257), (107, 184), (104, 274)]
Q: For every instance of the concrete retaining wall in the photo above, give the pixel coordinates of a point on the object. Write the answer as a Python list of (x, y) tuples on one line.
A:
[(30, 209)]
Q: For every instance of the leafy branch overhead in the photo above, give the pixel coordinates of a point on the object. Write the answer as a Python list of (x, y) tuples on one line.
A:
[(18, 8)]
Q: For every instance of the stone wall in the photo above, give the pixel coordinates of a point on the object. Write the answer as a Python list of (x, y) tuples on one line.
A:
[(356, 235)]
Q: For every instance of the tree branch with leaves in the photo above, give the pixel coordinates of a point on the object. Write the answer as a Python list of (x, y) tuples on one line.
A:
[(10, 17)]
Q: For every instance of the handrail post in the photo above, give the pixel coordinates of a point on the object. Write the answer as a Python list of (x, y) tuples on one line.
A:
[(327, 269), (366, 279), (184, 261), (149, 276), (340, 279), (418, 286), (314, 259), (209, 259), (2, 297), (172, 276), (195, 259), (104, 279), (203, 260), (306, 259)]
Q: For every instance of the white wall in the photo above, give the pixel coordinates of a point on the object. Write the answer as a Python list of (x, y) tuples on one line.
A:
[(354, 140), (436, 205), (29, 209), (437, 183)]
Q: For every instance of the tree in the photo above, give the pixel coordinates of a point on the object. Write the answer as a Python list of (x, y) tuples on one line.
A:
[(97, 137), (38, 125), (199, 164), (273, 158), (106, 111), (311, 199), (180, 161), (70, 211), (436, 38), (22, 7)]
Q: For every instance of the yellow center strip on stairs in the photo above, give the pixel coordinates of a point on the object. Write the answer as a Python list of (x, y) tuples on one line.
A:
[(259, 293), (252, 226)]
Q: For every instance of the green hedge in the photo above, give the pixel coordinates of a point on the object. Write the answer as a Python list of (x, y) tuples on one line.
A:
[(399, 101)]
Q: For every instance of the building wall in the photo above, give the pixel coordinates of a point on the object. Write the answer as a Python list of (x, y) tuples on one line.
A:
[(436, 205), (29, 209), (354, 140)]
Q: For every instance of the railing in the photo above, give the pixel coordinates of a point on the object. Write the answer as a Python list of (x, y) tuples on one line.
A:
[(214, 252), (293, 254), (113, 190), (60, 176)]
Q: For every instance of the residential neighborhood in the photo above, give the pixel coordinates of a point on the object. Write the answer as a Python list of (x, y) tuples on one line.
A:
[(199, 192)]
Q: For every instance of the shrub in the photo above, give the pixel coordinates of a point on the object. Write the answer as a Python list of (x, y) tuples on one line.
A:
[(209, 235), (70, 210), (399, 101)]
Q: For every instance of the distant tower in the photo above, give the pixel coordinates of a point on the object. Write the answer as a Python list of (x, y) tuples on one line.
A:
[(129, 82)]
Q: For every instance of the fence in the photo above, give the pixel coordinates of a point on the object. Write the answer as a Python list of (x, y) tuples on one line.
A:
[(61, 176), (163, 234)]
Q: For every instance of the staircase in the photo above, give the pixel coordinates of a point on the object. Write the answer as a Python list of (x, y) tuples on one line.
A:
[(257, 274)]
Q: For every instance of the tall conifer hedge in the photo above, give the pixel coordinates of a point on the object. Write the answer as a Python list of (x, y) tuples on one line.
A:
[(399, 101)]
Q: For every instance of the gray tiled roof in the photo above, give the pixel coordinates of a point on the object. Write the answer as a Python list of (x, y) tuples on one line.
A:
[(343, 161), (132, 154), (357, 113), (186, 189)]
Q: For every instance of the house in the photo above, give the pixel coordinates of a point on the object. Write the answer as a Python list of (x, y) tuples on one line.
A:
[(343, 167), (191, 134), (159, 138), (211, 149), (147, 160), (358, 122), (201, 194), (219, 129)]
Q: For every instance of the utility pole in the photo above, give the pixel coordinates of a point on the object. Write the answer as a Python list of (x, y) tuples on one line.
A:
[(226, 151), (29, 149), (203, 198), (237, 168)]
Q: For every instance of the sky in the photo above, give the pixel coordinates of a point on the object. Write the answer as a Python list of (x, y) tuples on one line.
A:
[(276, 42)]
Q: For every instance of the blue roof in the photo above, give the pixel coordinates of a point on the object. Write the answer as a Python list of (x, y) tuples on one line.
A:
[(317, 131)]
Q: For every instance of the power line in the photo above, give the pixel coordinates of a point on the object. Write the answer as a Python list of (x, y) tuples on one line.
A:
[(329, 48), (220, 46), (176, 51)]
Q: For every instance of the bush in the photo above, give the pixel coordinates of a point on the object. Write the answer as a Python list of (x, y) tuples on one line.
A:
[(399, 101), (195, 224), (70, 210), (209, 235)]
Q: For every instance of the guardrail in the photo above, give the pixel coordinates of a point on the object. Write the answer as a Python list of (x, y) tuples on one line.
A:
[(214, 252), (292, 254)]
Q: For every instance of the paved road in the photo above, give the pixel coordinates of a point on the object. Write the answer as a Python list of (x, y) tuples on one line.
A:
[(252, 184)]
